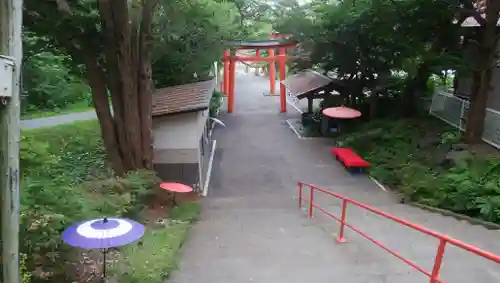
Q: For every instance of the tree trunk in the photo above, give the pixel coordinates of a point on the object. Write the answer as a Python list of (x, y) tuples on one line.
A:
[(455, 82), (126, 73), (415, 89), (477, 108), (373, 105), (115, 88), (100, 99), (145, 86), (482, 81)]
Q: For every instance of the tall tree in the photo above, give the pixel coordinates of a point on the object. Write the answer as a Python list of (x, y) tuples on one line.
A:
[(189, 36), (487, 14), (113, 39), (254, 18)]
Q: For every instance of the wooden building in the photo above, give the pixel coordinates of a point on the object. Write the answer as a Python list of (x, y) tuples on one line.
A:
[(181, 125)]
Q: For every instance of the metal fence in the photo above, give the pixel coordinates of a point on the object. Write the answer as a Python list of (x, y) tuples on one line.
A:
[(444, 240), (453, 110)]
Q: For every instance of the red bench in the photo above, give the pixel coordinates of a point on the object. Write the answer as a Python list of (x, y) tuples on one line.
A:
[(349, 158)]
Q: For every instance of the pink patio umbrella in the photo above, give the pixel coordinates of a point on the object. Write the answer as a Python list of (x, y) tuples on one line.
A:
[(175, 188), (341, 112)]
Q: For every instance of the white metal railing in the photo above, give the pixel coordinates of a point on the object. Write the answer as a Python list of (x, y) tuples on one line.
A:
[(453, 110)]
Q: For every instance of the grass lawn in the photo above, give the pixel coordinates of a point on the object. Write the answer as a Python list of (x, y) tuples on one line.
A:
[(81, 106), (154, 257)]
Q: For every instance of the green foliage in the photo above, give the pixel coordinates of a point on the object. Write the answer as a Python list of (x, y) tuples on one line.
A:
[(158, 249), (255, 18), (49, 83), (25, 274), (76, 149), (190, 37), (215, 103), (367, 44), (65, 179), (400, 160), (450, 137), (188, 212)]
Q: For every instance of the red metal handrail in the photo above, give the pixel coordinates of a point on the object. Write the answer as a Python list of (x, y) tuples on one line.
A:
[(443, 239)]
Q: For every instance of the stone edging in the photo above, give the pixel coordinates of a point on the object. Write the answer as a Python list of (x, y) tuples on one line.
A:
[(474, 221), (296, 131), (269, 94)]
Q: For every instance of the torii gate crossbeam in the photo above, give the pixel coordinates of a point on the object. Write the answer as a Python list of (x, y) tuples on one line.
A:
[(230, 59)]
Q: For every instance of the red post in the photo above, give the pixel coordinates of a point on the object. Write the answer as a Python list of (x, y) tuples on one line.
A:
[(311, 199), (282, 55), (341, 238), (230, 100), (272, 73), (300, 195), (438, 261), (225, 80)]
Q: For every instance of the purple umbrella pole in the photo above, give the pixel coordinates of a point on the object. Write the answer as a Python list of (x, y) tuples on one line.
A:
[(103, 234)]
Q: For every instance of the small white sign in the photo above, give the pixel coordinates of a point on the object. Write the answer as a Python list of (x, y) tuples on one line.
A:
[(6, 75)]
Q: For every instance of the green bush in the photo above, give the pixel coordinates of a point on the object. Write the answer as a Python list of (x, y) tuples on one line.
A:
[(65, 179), (49, 84), (471, 187), (25, 274), (215, 103)]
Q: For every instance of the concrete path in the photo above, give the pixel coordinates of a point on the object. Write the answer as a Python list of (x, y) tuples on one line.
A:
[(252, 231), (58, 120)]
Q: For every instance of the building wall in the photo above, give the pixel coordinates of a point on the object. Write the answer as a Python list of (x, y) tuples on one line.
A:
[(177, 156), (189, 155), (185, 173), (176, 131), (205, 152)]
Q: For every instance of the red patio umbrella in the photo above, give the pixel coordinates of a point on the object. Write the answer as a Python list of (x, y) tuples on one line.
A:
[(175, 188), (341, 112)]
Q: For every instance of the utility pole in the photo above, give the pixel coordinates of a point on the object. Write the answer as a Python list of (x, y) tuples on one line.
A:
[(11, 53)]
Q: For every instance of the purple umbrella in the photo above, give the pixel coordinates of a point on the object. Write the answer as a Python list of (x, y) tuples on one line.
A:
[(103, 234)]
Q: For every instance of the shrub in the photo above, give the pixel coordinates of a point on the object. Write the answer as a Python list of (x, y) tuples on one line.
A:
[(470, 187), (65, 179), (49, 84), (215, 104)]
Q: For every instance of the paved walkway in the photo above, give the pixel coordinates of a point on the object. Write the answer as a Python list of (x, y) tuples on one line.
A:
[(252, 231), (52, 121)]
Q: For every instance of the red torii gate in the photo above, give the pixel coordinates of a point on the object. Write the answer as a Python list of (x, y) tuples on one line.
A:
[(230, 60)]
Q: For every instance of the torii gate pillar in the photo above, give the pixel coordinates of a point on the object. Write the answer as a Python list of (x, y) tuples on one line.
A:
[(225, 78), (272, 73), (282, 58)]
